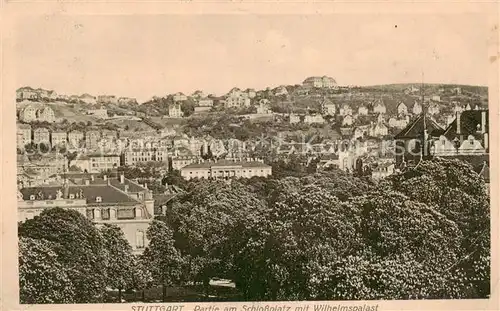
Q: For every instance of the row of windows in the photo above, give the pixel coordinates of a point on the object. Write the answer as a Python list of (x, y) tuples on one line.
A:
[(109, 213)]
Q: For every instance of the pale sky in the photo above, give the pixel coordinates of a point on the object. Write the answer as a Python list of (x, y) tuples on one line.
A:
[(142, 56)]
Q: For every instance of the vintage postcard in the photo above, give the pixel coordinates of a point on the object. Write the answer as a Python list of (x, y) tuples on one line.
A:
[(293, 157)]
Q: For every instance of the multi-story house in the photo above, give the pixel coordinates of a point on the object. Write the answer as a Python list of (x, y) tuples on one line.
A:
[(378, 130), (178, 162), (23, 135), (58, 138), (328, 108), (103, 162), (436, 98), (224, 169), (383, 170), (41, 135), (379, 108), (178, 97), (237, 100), (345, 110), (75, 138), (313, 118), (264, 107), (417, 108), (204, 105), (37, 112), (132, 156), (399, 122), (348, 120), (205, 102), (294, 118), (362, 111), (26, 93), (92, 139), (402, 109), (175, 111), (121, 202)]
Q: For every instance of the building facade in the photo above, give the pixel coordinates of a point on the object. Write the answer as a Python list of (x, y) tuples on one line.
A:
[(226, 170), (102, 201)]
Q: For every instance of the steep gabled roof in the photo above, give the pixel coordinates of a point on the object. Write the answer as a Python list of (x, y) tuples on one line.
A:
[(469, 121), (416, 128)]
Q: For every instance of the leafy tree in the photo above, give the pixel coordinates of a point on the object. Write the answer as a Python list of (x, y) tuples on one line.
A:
[(141, 276), (120, 263), (455, 190), (164, 259), (79, 247), (206, 220), (42, 277)]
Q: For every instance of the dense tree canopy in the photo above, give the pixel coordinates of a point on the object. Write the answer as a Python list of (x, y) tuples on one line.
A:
[(421, 234)]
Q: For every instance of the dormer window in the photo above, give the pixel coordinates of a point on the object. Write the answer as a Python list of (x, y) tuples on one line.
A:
[(32, 197), (98, 199)]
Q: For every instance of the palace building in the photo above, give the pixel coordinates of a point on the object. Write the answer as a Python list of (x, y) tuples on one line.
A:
[(117, 201)]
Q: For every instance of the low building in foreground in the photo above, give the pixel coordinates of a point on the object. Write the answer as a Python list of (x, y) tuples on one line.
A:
[(225, 169)]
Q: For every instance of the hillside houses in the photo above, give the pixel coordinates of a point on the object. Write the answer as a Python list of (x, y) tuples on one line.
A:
[(264, 107), (237, 99), (179, 97), (37, 112)]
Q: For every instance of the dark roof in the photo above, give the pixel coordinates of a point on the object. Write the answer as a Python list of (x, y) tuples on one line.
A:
[(469, 121), (416, 127), (109, 195), (161, 199), (132, 186)]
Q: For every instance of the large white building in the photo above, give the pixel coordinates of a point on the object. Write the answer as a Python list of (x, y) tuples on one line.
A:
[(320, 82), (175, 111), (117, 201), (225, 169)]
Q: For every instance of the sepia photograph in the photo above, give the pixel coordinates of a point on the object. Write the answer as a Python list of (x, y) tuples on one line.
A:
[(216, 158)]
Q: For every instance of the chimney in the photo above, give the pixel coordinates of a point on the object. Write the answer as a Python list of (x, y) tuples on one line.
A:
[(483, 122), (105, 177), (122, 178), (126, 188), (458, 122), (146, 185)]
